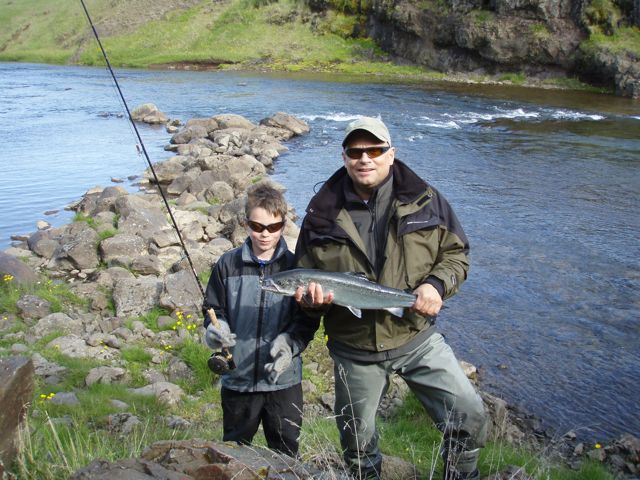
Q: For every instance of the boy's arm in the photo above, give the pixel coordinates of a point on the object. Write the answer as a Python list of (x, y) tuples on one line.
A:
[(215, 296)]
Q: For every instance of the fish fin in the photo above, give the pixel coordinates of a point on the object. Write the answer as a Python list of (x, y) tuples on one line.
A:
[(397, 311), (361, 275), (356, 311)]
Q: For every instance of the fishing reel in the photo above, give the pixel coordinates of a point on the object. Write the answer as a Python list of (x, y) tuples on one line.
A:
[(221, 362)]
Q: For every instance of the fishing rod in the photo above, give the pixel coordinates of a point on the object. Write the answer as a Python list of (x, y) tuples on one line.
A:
[(220, 361)]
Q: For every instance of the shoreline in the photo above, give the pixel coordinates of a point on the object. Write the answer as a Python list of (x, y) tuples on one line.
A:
[(527, 423)]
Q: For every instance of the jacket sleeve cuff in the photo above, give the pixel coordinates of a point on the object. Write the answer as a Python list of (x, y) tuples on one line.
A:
[(436, 283)]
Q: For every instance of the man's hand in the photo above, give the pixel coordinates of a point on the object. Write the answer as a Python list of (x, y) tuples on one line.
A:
[(282, 355), (314, 297), (219, 337), (429, 302)]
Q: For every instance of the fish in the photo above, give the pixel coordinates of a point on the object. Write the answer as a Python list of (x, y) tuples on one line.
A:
[(351, 290)]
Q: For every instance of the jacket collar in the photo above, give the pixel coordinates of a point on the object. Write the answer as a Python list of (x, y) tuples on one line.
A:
[(249, 257), (407, 187)]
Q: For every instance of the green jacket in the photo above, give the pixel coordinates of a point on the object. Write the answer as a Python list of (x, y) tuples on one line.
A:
[(425, 243)]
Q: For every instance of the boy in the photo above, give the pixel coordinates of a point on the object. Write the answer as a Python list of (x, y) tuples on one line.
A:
[(257, 327)]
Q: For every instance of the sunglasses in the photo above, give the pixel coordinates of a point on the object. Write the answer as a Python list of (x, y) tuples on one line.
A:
[(372, 152), (259, 228)]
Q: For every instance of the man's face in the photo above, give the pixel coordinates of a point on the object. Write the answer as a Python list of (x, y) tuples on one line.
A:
[(367, 172)]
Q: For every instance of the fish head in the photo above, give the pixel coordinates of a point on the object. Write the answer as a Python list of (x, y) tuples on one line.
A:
[(270, 285), (281, 283)]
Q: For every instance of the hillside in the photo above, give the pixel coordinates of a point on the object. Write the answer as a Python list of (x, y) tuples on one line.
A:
[(542, 42)]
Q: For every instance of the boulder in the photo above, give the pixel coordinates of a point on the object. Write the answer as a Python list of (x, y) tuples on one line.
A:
[(32, 307), (16, 391), (106, 375), (180, 291), (141, 216), (286, 121), (208, 123), (200, 459), (136, 296), (122, 248), (149, 113), (75, 347), (230, 120), (46, 369), (189, 133), (77, 248), (218, 193), (57, 322), (240, 172), (167, 170), (44, 242), (109, 277), (179, 371), (99, 200), (147, 265), (183, 182), (123, 424), (19, 271), (166, 392), (65, 398)]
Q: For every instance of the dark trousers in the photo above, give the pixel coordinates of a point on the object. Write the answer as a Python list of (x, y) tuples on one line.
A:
[(279, 411)]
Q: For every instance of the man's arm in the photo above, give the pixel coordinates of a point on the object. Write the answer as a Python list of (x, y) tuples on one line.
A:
[(452, 264)]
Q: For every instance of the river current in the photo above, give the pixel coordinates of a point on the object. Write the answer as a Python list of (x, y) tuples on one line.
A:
[(546, 185)]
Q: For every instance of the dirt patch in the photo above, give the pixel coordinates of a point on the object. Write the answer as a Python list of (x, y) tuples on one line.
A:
[(198, 65)]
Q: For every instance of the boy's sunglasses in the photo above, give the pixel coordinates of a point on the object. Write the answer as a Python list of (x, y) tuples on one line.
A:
[(259, 228), (372, 152)]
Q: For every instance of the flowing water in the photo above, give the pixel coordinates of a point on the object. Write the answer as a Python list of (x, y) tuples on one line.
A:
[(545, 183)]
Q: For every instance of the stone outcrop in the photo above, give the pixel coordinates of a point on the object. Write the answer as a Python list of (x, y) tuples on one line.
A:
[(199, 459), (16, 391), (541, 38)]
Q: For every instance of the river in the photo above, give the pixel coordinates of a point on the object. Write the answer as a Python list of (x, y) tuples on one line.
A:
[(545, 183)]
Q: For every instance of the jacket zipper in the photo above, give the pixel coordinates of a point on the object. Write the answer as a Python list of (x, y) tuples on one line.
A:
[(256, 368)]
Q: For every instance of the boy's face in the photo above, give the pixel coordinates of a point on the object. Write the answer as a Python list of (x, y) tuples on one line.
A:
[(264, 243)]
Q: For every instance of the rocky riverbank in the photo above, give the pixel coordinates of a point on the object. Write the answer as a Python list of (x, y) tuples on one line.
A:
[(123, 256)]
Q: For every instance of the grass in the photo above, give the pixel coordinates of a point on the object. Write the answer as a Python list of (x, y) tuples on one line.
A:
[(516, 78), (195, 355), (58, 439), (233, 33), (540, 31), (56, 293), (623, 39)]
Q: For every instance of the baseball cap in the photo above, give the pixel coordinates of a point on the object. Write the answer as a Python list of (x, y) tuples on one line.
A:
[(369, 124)]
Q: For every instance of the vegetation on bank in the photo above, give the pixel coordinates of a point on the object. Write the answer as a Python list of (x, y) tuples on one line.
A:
[(228, 34), (282, 35), (59, 439)]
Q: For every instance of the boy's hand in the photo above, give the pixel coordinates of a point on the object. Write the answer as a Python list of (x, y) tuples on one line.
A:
[(282, 355), (219, 337)]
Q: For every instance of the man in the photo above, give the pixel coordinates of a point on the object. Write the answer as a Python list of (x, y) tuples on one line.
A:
[(376, 216)]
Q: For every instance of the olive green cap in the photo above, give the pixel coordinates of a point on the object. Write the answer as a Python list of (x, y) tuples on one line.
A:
[(369, 124)]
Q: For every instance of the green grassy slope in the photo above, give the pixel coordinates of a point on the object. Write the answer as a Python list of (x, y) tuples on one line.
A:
[(230, 32)]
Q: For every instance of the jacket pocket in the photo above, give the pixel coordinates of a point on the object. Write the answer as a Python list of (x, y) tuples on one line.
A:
[(420, 253)]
